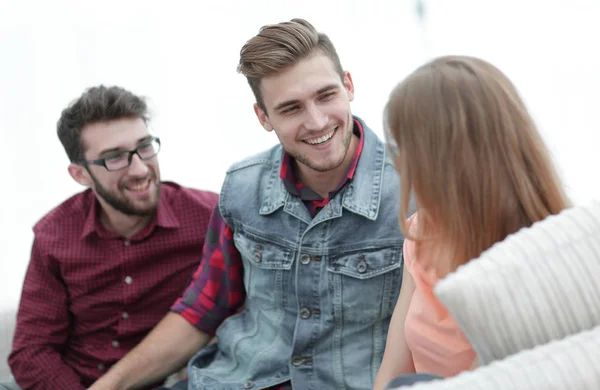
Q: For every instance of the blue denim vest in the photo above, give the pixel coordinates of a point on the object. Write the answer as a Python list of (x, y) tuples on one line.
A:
[(320, 291)]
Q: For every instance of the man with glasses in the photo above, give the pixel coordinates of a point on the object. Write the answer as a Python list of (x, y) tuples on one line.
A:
[(106, 264)]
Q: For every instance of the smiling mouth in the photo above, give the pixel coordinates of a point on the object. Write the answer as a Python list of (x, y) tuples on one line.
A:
[(139, 186), (322, 139)]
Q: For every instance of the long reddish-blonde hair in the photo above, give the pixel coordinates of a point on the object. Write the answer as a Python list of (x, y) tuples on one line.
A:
[(470, 153)]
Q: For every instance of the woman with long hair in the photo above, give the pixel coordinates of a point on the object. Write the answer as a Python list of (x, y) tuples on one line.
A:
[(471, 158)]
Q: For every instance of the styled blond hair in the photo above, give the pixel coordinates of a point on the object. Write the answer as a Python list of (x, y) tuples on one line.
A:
[(277, 46)]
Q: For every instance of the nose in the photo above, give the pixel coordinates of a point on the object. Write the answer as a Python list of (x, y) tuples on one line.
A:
[(138, 167), (316, 119)]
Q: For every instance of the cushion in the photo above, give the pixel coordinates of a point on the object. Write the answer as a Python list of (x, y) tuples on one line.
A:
[(571, 363), (538, 285)]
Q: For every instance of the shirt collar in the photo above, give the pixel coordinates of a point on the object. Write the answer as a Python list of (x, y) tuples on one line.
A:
[(288, 175), (362, 195), (164, 216)]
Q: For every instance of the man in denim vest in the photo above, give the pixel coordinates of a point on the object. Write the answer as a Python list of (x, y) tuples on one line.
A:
[(302, 265)]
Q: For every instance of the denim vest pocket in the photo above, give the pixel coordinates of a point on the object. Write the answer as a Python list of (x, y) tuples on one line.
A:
[(267, 266), (365, 283)]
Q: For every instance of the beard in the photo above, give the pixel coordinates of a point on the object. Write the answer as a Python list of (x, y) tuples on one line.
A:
[(315, 166), (120, 202)]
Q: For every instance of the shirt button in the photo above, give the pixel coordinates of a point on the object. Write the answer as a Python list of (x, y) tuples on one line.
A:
[(100, 366), (297, 360), (126, 242), (305, 313), (128, 280), (305, 259), (115, 344), (329, 211), (248, 385), (125, 315)]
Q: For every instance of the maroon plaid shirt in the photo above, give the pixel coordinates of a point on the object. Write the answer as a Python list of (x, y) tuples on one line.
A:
[(90, 295), (217, 290)]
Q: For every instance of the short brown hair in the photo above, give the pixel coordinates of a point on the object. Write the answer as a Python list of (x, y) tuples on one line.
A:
[(470, 153), (280, 45), (96, 104)]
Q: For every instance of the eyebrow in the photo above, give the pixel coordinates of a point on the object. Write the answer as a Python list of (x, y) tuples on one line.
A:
[(139, 141), (292, 102)]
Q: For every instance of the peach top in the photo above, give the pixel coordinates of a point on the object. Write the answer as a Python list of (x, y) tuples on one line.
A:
[(437, 344)]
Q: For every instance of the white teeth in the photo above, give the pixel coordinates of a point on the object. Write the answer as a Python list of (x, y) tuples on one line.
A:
[(139, 187), (320, 140)]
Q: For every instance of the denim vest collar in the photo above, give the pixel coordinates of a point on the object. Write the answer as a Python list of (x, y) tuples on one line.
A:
[(361, 196)]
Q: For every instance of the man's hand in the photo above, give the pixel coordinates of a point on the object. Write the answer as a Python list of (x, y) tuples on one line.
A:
[(166, 349)]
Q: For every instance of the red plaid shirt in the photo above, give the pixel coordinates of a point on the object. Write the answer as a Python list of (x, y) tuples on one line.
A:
[(217, 290), (90, 295)]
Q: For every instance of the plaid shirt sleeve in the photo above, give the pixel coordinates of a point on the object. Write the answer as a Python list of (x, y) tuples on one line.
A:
[(42, 327), (217, 288)]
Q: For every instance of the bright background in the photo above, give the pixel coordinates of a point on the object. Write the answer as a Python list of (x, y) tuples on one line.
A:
[(182, 55)]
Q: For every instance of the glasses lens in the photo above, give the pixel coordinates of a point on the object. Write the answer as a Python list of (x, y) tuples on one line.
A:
[(116, 162), (148, 149)]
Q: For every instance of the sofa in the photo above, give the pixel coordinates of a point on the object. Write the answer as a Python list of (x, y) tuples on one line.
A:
[(7, 328), (530, 306)]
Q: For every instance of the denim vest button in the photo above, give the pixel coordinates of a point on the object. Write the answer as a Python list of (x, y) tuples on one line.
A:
[(305, 313), (248, 385), (258, 254), (305, 259), (297, 361), (361, 267)]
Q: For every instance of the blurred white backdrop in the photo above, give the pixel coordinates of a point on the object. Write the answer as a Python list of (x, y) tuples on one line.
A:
[(183, 55)]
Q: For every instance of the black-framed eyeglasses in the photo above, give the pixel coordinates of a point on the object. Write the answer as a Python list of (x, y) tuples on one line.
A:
[(121, 159)]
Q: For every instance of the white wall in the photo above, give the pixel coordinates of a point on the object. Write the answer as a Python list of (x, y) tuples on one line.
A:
[(183, 56)]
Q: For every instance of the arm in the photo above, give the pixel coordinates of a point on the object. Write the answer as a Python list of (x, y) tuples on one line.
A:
[(166, 348), (216, 292), (42, 327), (397, 358)]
